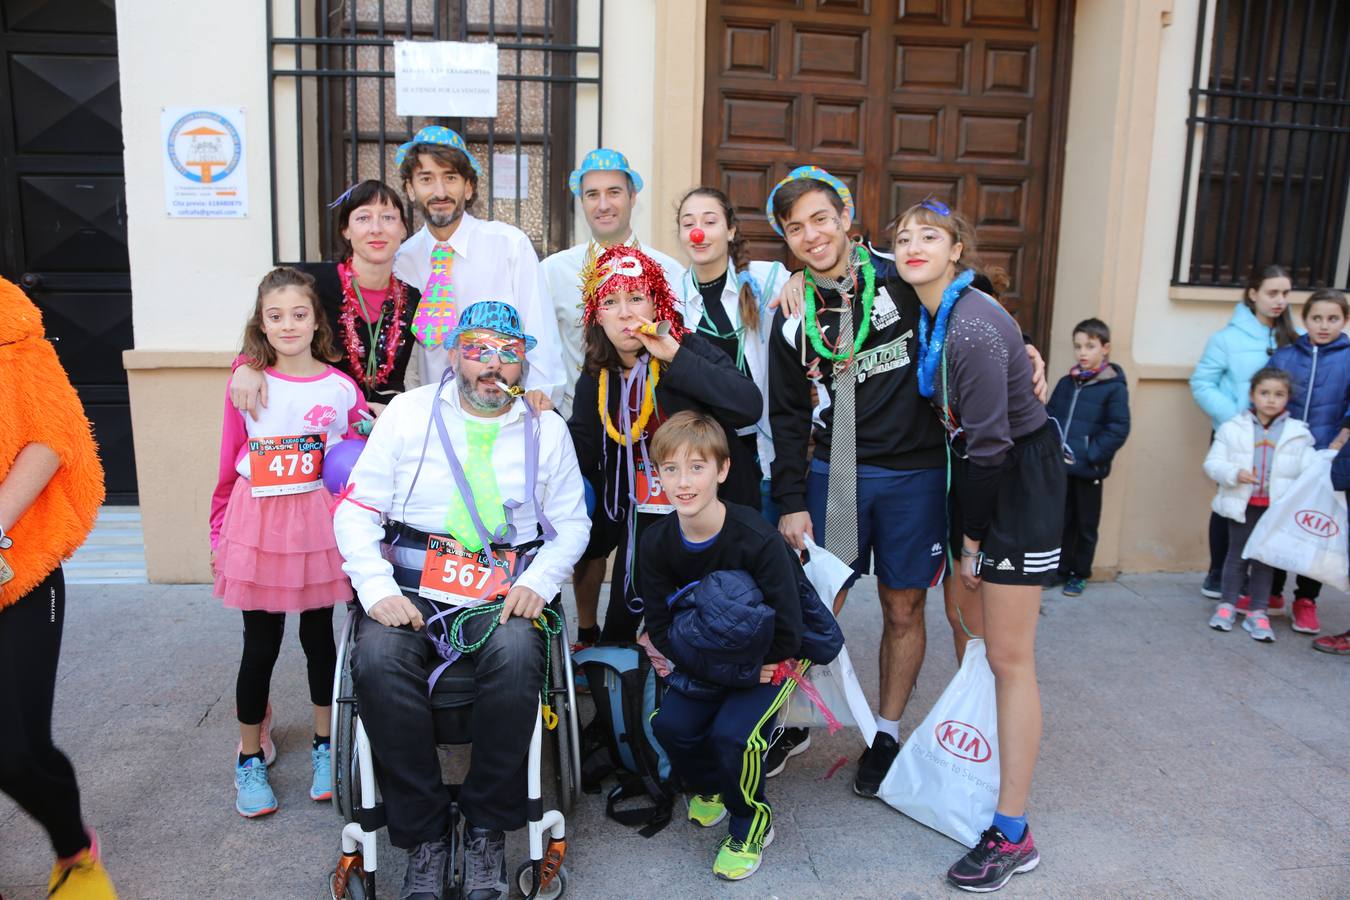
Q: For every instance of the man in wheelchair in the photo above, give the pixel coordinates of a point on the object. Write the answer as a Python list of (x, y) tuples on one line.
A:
[(463, 496)]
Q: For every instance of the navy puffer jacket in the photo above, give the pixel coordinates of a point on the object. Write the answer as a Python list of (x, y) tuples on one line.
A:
[(1095, 418), (1321, 378), (720, 630)]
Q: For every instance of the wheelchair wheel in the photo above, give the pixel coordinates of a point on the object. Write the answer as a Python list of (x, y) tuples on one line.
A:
[(525, 881), (352, 882), (566, 743), (345, 768)]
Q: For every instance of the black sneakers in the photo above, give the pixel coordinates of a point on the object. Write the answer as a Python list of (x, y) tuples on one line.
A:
[(875, 763), (993, 861), (790, 742), (427, 868), (484, 864)]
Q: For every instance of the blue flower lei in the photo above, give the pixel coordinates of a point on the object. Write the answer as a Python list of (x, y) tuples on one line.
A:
[(930, 349)]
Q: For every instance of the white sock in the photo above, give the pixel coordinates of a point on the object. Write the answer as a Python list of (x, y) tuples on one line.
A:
[(889, 726)]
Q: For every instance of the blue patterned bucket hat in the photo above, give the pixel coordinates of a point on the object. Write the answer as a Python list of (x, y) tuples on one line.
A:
[(816, 173), (603, 160), (491, 315), (438, 134)]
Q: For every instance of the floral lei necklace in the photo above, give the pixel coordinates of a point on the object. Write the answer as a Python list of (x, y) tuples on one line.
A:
[(375, 370), (648, 387), (933, 331), (864, 328)]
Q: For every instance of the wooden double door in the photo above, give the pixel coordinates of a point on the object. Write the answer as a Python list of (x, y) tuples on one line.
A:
[(962, 100)]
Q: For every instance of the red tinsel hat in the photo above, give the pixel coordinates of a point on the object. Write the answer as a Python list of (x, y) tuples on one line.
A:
[(624, 268)]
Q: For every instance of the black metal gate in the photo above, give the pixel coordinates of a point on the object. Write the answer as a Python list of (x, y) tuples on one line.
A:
[(63, 206), (1272, 113), (335, 75)]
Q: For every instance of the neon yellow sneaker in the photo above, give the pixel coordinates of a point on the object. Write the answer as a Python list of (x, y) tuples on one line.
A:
[(737, 860), (706, 809), (81, 877)]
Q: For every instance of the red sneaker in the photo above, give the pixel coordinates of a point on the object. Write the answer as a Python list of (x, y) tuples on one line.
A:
[(1305, 616), (1277, 607), (1244, 603), (1334, 643)]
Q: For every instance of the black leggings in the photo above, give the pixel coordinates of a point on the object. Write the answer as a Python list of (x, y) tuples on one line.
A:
[(32, 771), (262, 644)]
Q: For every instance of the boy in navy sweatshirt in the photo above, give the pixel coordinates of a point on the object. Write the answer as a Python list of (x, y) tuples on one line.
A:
[(716, 741), (1092, 406)]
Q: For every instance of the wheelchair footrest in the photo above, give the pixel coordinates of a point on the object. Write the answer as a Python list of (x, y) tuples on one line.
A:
[(372, 819)]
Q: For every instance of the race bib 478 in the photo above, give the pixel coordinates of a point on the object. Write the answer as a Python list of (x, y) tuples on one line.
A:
[(290, 464)]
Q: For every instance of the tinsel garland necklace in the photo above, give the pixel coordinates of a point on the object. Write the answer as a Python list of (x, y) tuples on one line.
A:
[(372, 373), (869, 294), (933, 331), (648, 388)]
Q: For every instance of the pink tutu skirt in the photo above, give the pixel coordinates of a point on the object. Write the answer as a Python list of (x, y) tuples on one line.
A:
[(278, 554)]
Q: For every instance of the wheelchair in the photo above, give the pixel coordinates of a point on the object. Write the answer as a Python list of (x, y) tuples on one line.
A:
[(354, 788)]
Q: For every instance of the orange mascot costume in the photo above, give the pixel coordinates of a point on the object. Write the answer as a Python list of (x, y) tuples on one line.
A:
[(39, 406)]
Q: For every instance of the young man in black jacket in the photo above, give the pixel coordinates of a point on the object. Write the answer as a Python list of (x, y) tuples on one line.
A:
[(1092, 406), (716, 737)]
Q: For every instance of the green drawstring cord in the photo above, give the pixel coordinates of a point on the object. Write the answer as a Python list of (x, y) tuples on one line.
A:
[(549, 622)]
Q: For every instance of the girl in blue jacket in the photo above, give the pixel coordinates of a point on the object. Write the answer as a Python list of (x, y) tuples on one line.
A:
[(1260, 325), (1318, 364)]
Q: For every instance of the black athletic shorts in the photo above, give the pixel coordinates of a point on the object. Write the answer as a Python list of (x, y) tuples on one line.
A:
[(605, 535), (1023, 541)]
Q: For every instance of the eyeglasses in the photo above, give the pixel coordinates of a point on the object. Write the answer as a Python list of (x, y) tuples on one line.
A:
[(507, 352)]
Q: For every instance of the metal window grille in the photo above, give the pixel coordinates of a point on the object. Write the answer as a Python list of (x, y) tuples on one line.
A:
[(1271, 116), (332, 112)]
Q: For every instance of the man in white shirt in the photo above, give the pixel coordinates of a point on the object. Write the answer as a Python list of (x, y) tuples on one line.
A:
[(607, 187), (457, 260), (407, 492)]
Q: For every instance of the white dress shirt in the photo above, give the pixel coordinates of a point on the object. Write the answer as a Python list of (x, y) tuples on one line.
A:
[(492, 261), (770, 278), (562, 282), (384, 473)]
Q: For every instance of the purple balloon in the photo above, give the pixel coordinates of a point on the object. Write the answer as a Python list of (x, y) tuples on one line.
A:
[(338, 461)]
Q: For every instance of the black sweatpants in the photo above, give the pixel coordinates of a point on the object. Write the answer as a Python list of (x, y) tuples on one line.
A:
[(33, 772), (262, 644), (1303, 585), (1082, 515)]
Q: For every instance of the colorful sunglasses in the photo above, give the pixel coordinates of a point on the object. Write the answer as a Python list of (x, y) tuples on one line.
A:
[(479, 347)]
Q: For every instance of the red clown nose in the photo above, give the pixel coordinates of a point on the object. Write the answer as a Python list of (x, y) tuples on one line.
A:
[(696, 236)]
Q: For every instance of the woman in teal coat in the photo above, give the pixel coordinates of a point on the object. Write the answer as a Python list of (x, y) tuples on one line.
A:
[(1260, 325)]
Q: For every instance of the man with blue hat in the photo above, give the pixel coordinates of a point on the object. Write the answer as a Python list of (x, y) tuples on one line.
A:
[(459, 474), (607, 187), (457, 259)]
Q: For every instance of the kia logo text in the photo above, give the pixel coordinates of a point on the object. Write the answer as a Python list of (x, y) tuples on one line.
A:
[(1316, 523), (964, 741)]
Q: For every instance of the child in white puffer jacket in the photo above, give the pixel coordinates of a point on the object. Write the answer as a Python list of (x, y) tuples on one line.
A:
[(1256, 457)]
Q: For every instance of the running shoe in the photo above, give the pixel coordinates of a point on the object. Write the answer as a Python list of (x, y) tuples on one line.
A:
[(993, 861), (706, 810), (484, 864), (82, 876), (428, 865), (1074, 587), (1305, 616), (1244, 603), (1258, 624), (321, 759), (1212, 588), (1276, 606), (1223, 617), (789, 743), (875, 763), (269, 749), (254, 795), (737, 860), (1338, 644)]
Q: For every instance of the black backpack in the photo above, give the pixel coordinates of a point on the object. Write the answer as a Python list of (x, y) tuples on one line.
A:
[(619, 740)]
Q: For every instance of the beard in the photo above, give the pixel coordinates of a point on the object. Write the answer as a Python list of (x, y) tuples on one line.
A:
[(441, 220), (489, 402)]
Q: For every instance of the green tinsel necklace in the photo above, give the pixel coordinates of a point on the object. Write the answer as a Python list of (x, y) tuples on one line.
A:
[(869, 294)]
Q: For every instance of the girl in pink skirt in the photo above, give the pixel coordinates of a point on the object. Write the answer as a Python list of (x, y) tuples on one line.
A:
[(272, 545)]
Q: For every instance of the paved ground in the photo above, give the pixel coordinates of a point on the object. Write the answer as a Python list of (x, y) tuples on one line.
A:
[(1177, 762)]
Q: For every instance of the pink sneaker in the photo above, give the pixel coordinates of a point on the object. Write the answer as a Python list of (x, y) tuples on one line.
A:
[(1277, 607), (269, 749), (1305, 616)]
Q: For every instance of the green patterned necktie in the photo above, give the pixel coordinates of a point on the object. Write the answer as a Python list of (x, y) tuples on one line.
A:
[(481, 438)]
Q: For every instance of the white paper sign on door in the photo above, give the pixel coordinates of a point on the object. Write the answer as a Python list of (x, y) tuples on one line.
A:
[(445, 78)]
